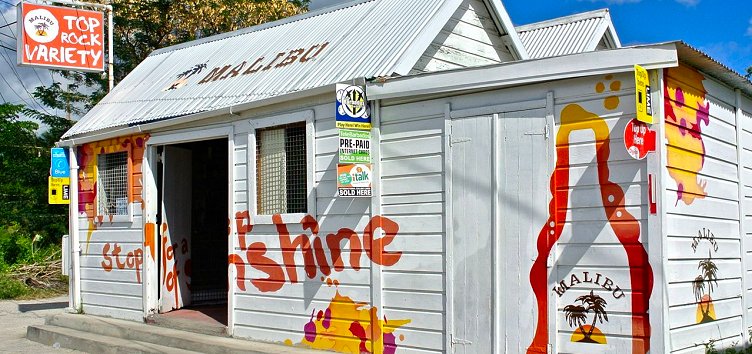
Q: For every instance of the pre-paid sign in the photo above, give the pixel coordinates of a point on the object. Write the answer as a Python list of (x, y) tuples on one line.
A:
[(354, 146), (60, 37)]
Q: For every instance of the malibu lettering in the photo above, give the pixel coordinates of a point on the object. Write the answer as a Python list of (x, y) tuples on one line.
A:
[(605, 282), (280, 60)]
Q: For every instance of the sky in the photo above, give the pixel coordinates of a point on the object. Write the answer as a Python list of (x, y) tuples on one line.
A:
[(720, 28)]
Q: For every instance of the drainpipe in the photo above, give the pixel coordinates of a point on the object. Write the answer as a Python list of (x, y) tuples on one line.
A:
[(73, 223)]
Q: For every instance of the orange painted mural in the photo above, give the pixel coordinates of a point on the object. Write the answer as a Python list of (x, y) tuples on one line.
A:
[(687, 112), (87, 175), (345, 325), (575, 118)]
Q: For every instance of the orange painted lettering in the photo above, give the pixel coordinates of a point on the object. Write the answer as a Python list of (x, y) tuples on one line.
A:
[(289, 247), (390, 229), (258, 259), (107, 262)]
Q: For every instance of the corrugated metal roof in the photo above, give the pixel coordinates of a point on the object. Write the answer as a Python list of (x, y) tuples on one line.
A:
[(568, 35), (362, 39), (705, 63)]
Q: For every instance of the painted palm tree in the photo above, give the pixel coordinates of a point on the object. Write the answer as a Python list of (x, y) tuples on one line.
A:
[(709, 275), (576, 316), (597, 305), (699, 287)]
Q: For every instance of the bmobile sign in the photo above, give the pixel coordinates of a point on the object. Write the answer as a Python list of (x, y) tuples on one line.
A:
[(60, 37)]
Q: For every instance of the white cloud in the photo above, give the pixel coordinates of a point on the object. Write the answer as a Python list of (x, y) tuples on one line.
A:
[(749, 28), (690, 3)]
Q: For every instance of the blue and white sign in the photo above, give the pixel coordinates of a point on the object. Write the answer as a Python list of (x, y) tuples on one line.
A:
[(59, 166), (352, 111)]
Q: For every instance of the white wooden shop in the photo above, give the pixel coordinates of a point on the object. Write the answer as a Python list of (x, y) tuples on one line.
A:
[(506, 212)]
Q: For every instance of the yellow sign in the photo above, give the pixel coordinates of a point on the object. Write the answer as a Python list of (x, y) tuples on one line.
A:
[(59, 190), (642, 96)]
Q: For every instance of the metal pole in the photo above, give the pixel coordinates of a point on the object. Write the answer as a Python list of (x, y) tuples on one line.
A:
[(110, 56), (73, 227)]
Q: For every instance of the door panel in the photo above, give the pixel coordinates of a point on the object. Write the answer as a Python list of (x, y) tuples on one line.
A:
[(523, 208), (472, 266), (497, 208), (175, 230)]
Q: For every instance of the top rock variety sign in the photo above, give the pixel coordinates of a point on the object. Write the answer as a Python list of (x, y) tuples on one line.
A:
[(60, 37)]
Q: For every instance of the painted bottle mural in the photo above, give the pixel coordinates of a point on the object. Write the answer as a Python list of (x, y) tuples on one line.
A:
[(598, 256)]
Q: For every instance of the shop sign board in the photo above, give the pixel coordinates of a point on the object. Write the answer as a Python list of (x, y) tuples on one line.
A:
[(60, 37), (642, 95), (354, 180), (352, 111), (639, 140), (59, 163), (59, 190), (354, 146)]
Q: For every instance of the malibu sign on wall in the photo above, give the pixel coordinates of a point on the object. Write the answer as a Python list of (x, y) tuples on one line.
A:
[(60, 37)]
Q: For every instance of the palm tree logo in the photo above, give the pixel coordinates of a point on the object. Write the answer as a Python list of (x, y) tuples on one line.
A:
[(709, 276), (577, 315), (41, 28)]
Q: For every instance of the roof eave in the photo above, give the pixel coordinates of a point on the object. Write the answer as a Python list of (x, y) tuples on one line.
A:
[(654, 56), (504, 22), (234, 110)]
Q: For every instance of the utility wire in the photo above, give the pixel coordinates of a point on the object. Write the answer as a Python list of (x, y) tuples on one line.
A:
[(12, 67)]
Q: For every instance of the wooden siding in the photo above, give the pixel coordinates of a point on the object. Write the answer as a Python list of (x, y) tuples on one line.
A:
[(703, 212), (112, 252), (470, 38), (412, 189)]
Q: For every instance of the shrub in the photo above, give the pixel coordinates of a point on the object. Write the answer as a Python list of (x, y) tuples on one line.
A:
[(11, 288)]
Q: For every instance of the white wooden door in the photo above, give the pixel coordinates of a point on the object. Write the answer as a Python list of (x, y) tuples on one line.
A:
[(471, 143), (523, 175), (175, 230), (499, 186)]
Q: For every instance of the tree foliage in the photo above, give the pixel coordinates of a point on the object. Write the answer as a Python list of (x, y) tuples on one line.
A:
[(24, 168), (141, 26)]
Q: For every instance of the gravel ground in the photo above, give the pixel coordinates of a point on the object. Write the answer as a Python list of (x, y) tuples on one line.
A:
[(16, 315)]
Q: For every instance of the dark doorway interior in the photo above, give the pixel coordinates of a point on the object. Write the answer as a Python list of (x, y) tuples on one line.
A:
[(209, 222)]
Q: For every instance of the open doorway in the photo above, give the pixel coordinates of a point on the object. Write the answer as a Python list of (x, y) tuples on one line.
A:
[(193, 276)]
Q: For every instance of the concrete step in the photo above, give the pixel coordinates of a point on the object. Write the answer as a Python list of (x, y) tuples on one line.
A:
[(213, 329), (93, 343), (105, 328)]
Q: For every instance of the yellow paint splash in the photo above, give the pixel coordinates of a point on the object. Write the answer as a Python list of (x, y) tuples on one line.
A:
[(687, 111), (345, 326)]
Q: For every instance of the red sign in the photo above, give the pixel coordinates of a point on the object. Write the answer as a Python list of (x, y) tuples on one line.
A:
[(638, 139), (60, 37)]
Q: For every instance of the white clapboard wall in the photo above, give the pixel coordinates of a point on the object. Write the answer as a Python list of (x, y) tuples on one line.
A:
[(118, 292), (470, 38), (692, 219)]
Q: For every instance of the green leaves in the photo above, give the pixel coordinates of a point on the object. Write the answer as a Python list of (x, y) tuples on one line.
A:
[(24, 167)]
